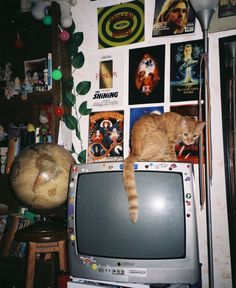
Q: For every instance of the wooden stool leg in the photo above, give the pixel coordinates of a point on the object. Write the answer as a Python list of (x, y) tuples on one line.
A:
[(30, 270), (62, 255)]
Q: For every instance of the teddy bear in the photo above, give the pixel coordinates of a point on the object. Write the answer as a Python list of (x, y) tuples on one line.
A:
[(38, 9)]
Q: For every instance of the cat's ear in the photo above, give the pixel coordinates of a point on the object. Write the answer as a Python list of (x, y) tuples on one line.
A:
[(200, 125), (183, 122)]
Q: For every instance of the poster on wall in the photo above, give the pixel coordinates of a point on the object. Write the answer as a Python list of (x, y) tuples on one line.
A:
[(107, 89), (146, 75), (188, 153), (227, 8), (185, 75), (136, 113), (121, 24), (173, 17), (105, 136), (224, 17)]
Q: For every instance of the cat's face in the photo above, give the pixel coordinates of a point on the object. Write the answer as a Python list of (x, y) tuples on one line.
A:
[(190, 130)]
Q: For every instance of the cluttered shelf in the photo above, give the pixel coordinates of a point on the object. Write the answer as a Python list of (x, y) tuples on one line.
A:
[(37, 97)]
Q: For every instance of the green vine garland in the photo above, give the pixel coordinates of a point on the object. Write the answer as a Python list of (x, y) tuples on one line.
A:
[(71, 91)]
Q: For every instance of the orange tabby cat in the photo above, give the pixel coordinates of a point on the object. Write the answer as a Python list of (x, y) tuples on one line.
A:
[(154, 138)]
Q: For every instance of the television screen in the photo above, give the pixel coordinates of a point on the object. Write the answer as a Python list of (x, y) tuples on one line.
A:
[(161, 215), (161, 247)]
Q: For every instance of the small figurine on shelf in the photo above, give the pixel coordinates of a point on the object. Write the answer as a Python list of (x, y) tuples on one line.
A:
[(3, 134), (35, 78), (45, 120), (30, 134), (26, 87), (3, 141), (9, 89), (45, 79), (16, 86), (7, 72)]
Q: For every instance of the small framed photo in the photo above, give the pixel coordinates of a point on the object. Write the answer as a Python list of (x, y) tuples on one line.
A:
[(36, 74), (35, 66)]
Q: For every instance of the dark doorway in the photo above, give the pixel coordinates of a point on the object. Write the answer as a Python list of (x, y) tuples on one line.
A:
[(227, 47)]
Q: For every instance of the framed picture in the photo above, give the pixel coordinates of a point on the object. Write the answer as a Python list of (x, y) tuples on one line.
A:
[(146, 75), (185, 70), (165, 23), (36, 74), (121, 24), (227, 8), (136, 113), (187, 153), (225, 16), (105, 136)]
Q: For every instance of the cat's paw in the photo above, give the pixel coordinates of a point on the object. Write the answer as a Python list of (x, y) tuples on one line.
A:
[(133, 215)]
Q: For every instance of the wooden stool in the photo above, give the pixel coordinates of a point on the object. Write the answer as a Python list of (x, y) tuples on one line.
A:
[(42, 239)]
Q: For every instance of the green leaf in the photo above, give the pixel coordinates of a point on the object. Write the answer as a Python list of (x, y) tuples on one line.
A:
[(82, 156), (72, 49), (71, 122), (77, 60), (83, 87), (71, 29), (77, 133), (69, 99), (78, 38), (69, 83), (83, 110)]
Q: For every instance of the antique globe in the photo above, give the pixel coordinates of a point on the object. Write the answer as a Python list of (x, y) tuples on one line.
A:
[(39, 176)]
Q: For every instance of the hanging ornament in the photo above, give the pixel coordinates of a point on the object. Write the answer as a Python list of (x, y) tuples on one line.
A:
[(19, 42), (58, 110), (47, 19), (56, 74), (63, 35)]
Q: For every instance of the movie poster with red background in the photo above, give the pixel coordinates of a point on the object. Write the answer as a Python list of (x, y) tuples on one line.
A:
[(146, 75)]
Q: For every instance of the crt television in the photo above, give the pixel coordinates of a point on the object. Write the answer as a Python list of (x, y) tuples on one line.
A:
[(104, 245)]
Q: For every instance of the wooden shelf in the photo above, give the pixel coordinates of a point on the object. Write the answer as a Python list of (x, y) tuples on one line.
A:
[(38, 96), (18, 111)]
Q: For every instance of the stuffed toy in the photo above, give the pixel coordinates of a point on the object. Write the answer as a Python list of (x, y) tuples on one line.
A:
[(38, 9)]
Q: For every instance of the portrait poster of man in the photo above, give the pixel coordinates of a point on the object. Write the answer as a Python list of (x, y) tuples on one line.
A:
[(105, 136), (188, 153), (146, 75), (173, 17), (185, 75)]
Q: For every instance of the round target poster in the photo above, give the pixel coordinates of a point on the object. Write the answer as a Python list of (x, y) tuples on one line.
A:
[(121, 24)]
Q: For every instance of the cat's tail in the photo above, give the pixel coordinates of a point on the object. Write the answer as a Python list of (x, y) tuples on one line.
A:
[(130, 186)]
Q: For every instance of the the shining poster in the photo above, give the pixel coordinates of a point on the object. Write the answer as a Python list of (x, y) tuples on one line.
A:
[(121, 24), (105, 136), (185, 77), (107, 87), (146, 75)]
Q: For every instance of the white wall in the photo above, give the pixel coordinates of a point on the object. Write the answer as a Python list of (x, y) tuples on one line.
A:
[(85, 17)]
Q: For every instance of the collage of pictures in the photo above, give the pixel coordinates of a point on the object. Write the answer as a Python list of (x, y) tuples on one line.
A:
[(146, 74)]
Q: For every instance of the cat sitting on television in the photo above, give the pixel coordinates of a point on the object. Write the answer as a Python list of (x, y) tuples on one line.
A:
[(153, 138)]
